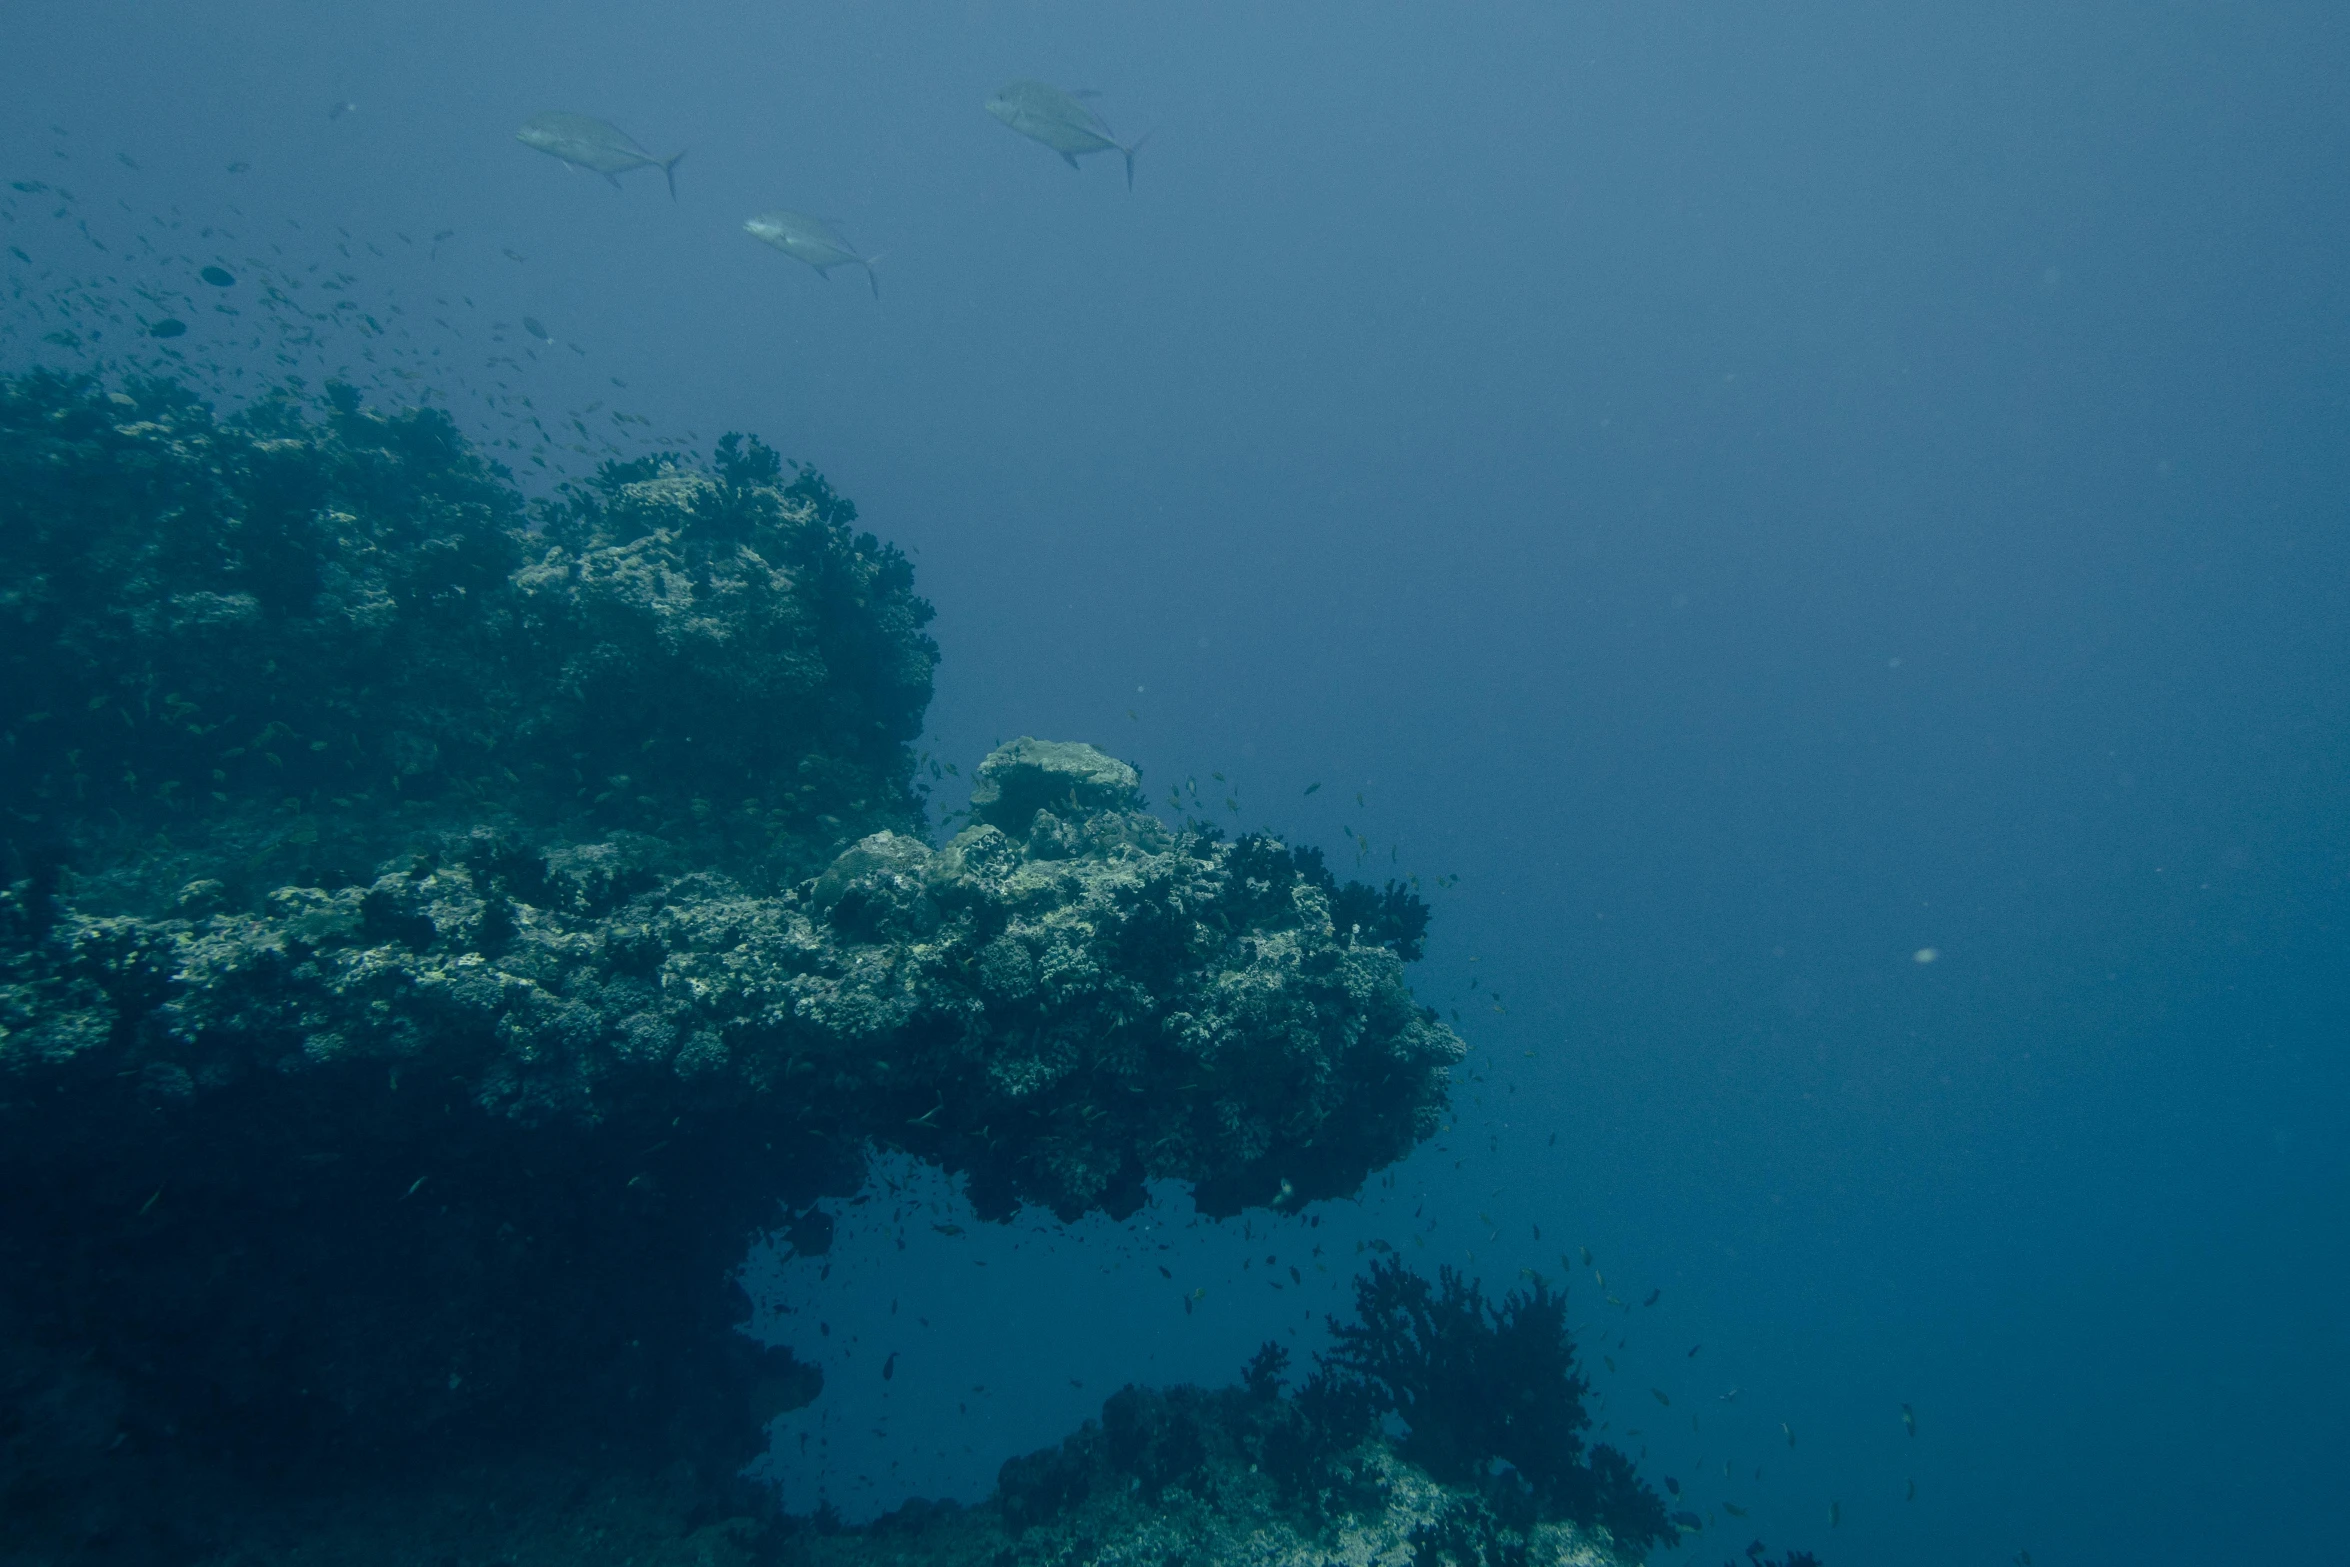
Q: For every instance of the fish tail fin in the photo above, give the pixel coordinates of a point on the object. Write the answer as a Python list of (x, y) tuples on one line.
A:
[(873, 277), (669, 172), (1131, 150)]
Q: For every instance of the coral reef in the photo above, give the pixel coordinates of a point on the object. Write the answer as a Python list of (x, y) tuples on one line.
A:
[(438, 931), (1489, 1472), (1482, 1389)]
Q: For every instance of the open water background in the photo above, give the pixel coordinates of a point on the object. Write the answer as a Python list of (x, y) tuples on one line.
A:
[(1754, 490)]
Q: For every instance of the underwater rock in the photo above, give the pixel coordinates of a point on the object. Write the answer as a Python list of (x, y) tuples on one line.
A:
[(437, 930), (1230, 1475)]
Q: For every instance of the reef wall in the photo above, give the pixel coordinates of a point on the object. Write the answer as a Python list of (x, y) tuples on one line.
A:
[(439, 930)]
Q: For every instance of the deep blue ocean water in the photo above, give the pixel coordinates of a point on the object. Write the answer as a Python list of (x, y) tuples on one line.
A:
[(1817, 531)]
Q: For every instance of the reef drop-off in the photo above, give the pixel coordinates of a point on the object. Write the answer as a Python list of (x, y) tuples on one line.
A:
[(440, 929)]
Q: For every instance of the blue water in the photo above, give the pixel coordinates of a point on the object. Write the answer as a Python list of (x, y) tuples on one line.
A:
[(1760, 493)]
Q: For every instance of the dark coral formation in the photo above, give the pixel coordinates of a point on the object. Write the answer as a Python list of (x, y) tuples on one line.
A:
[(1488, 1396), (437, 931), (1490, 1470)]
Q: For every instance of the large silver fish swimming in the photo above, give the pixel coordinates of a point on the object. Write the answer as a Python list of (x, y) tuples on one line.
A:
[(811, 240), (596, 145), (1061, 120)]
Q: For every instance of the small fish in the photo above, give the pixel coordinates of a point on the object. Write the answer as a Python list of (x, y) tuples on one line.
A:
[(1689, 1521), (239, 167), (342, 107), (1913, 1492), (1659, 1394), (1730, 1397), (889, 1367), (1163, 1273), (1061, 120), (531, 325), (1836, 1516), (1653, 1297), (1586, 1251), (20, 255), (1693, 1349), (219, 277), (948, 1229), (1310, 788), (29, 187), (1909, 1420), (169, 326), (1733, 1509), (1790, 1430), (1672, 1485), (811, 240), (596, 145)]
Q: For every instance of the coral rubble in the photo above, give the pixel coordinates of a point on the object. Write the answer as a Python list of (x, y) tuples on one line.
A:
[(439, 930)]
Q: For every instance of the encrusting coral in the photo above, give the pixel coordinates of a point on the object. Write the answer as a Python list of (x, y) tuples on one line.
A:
[(438, 931)]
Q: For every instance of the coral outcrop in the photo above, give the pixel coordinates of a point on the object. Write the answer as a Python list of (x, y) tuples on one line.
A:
[(1488, 1468), (439, 930)]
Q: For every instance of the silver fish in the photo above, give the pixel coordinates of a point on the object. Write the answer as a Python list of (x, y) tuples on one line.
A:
[(1061, 120), (596, 145), (811, 240)]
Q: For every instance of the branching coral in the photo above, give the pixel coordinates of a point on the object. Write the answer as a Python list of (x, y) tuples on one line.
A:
[(1478, 1385)]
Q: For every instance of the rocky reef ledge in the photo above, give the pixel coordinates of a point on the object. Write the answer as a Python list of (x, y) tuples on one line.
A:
[(439, 930)]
